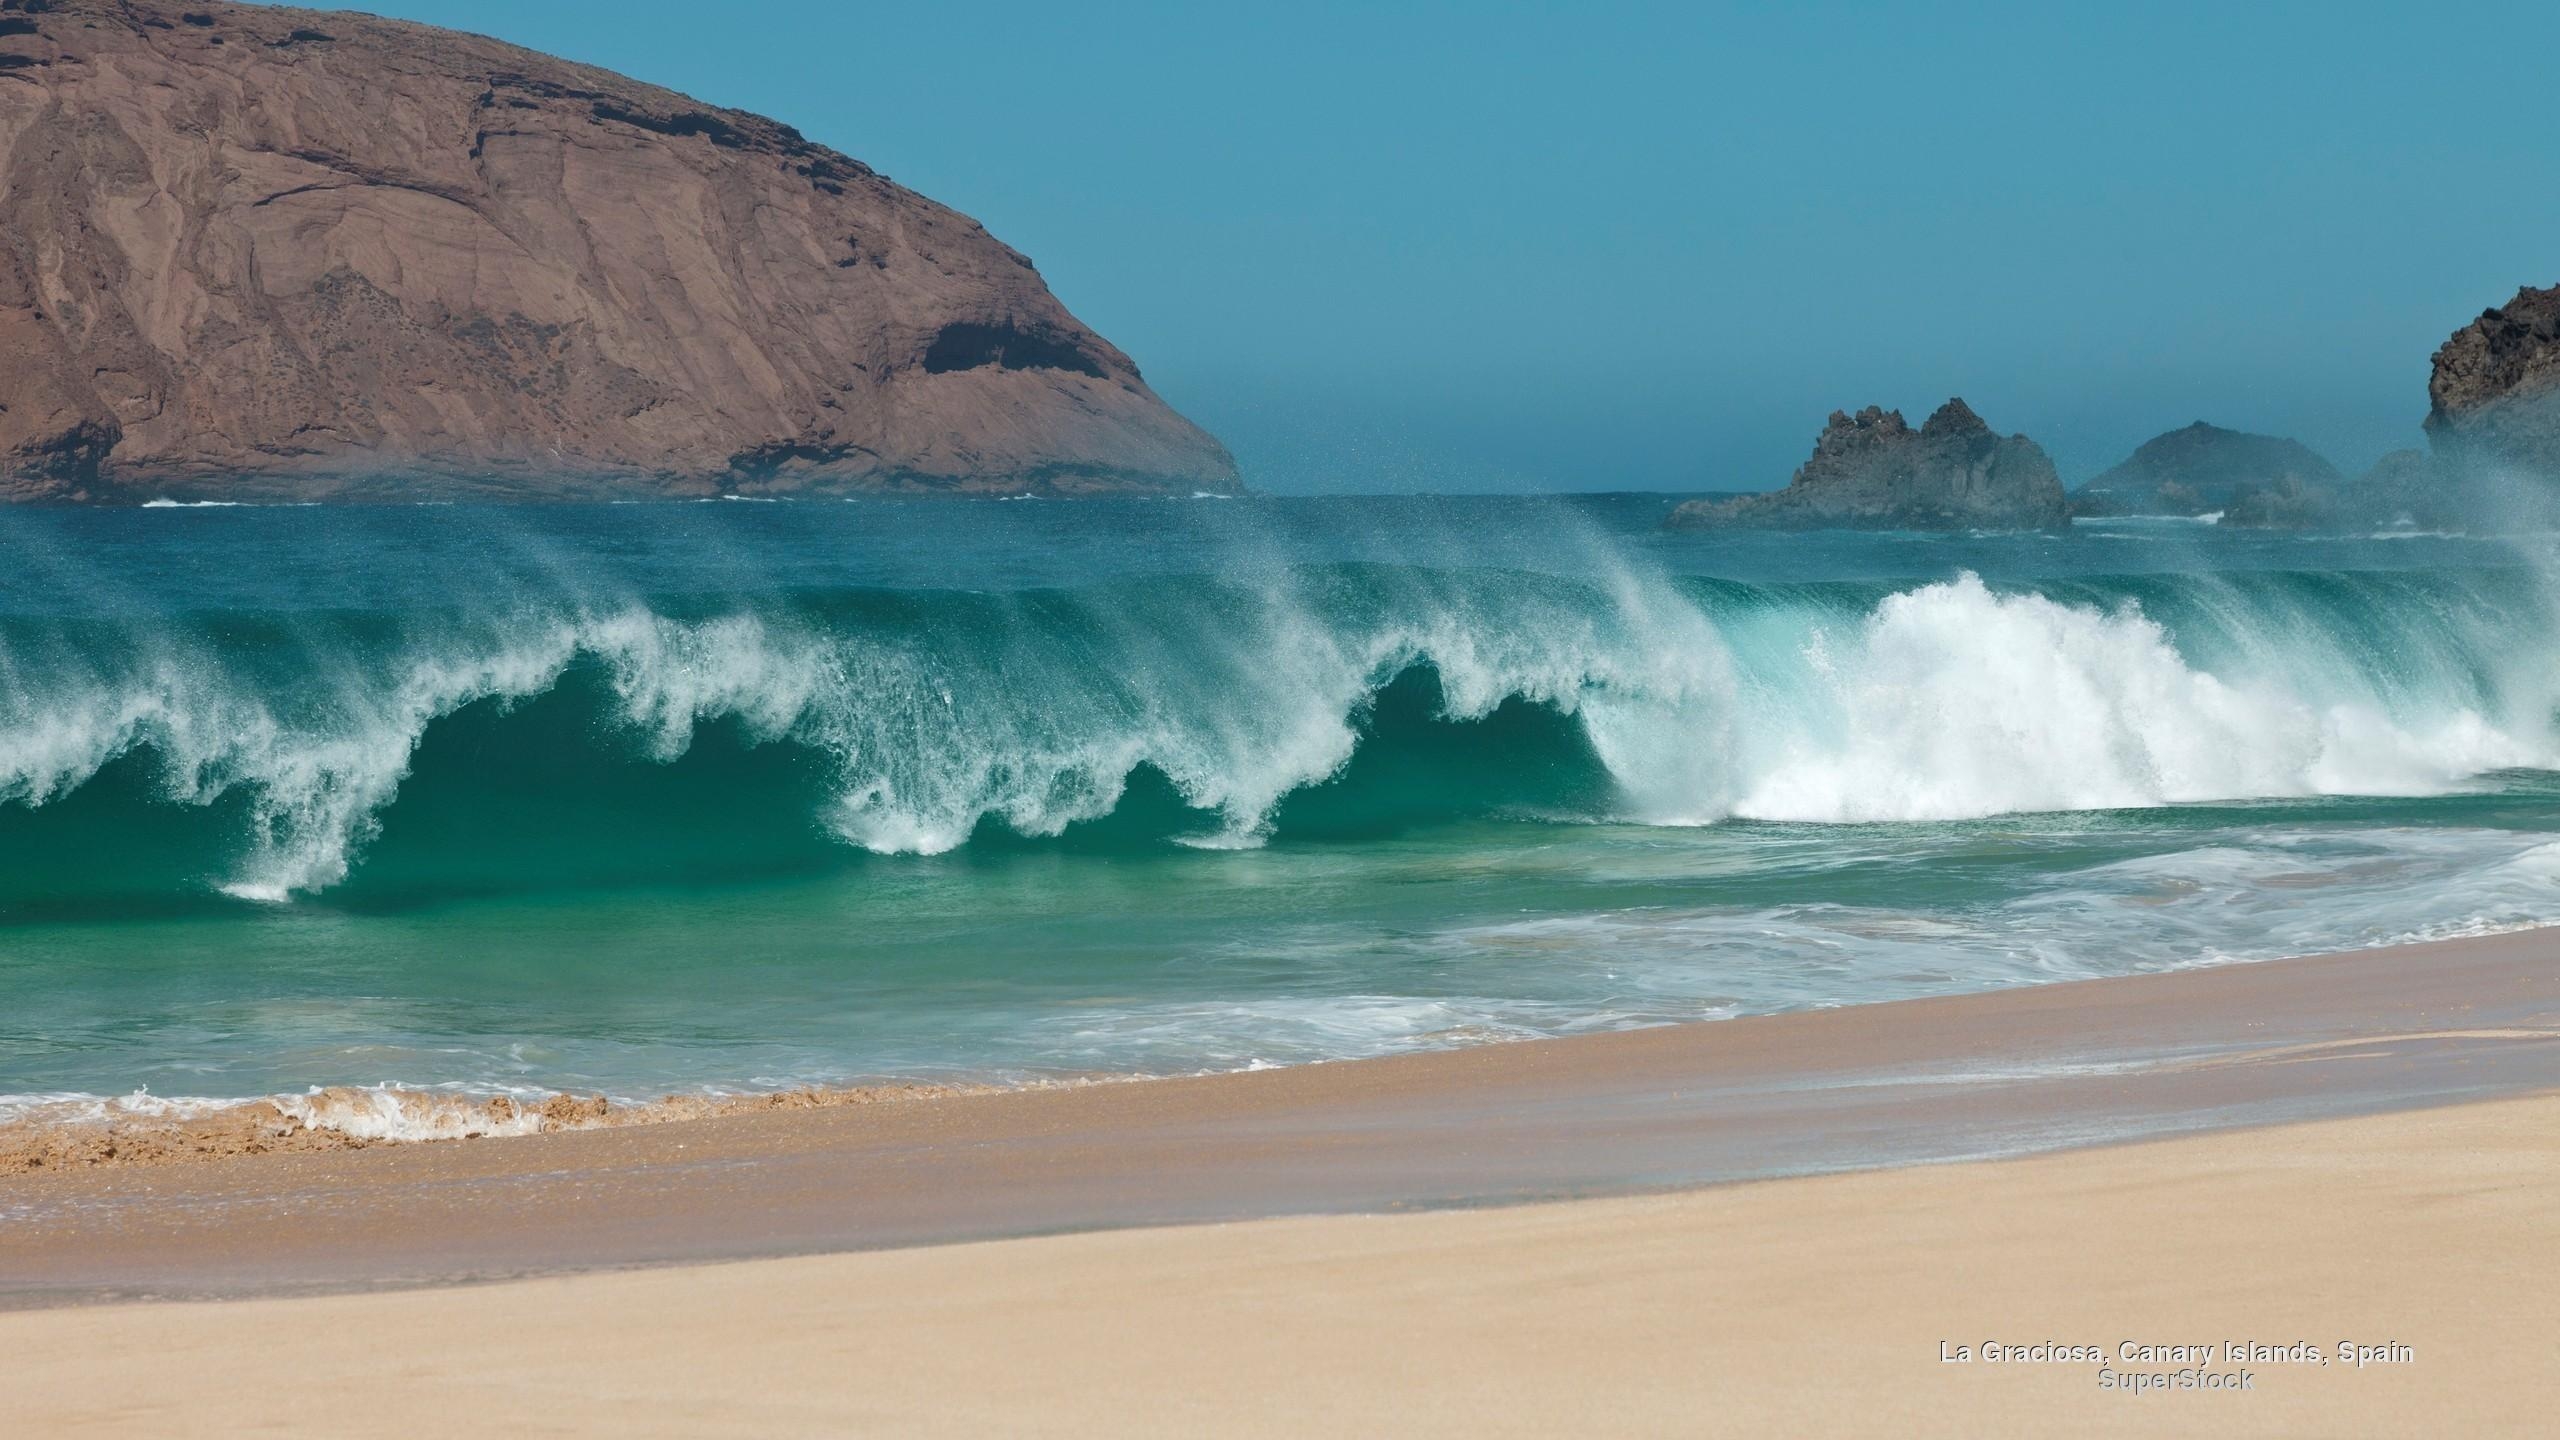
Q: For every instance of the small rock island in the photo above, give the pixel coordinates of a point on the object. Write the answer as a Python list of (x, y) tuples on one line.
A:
[(2205, 469), (265, 254), (1872, 471)]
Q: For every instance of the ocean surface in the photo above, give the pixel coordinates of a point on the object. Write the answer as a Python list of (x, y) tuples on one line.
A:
[(734, 796)]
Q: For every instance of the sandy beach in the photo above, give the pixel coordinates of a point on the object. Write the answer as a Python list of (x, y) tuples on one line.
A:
[(1805, 1307), (1992, 1074), (2378, 1177)]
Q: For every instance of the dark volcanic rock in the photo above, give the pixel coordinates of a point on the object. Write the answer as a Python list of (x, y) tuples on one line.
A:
[(254, 252), (2495, 392), (2205, 468), (1873, 471)]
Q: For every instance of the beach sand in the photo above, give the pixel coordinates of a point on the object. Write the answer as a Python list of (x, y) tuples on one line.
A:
[(2354, 1148), (1797, 1307)]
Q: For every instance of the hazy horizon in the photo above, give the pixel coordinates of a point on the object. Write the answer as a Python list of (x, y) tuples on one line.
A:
[(1650, 247)]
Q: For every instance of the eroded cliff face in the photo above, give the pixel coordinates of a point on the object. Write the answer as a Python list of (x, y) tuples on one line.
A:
[(266, 253), (2495, 390), (1871, 470)]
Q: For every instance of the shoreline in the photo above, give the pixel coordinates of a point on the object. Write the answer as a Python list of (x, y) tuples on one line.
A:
[(1896, 1084), (340, 1118), (1839, 1304), (75, 1133)]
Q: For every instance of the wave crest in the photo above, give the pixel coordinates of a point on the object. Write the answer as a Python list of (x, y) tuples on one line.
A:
[(1952, 702), (911, 722)]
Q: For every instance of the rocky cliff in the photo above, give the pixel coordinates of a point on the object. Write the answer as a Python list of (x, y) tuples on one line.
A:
[(254, 252), (2495, 392), (1871, 470), (2205, 468)]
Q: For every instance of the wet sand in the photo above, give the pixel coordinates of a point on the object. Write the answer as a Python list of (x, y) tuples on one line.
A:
[(1995, 1074), (2367, 1185), (1810, 1307)]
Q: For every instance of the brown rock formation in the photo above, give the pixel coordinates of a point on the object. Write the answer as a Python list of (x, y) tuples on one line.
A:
[(1872, 471), (2495, 392), (255, 252)]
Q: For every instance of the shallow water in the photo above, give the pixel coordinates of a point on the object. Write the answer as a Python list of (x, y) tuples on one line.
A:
[(655, 797)]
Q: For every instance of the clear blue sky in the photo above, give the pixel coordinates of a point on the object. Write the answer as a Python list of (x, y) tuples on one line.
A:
[(1599, 246)]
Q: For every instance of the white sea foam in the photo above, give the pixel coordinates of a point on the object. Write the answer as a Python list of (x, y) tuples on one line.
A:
[(1942, 701), (380, 1112), (1953, 702), (396, 1113)]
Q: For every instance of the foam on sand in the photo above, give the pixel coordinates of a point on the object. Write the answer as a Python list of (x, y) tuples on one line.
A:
[(58, 1133)]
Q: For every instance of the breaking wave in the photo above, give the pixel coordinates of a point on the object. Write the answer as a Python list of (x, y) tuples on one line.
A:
[(532, 740)]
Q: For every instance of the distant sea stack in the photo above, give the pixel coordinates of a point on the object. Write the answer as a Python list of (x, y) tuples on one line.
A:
[(2495, 392), (1873, 471), (252, 253), (2203, 469)]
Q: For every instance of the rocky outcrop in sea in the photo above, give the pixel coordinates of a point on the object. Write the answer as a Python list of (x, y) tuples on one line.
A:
[(2204, 469), (1871, 470), (2495, 391)]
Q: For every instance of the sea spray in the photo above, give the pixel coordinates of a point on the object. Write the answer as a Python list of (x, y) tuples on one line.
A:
[(929, 714), (638, 800), (1951, 701)]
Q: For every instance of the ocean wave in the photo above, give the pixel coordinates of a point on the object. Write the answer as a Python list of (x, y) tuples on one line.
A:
[(1952, 702), (1233, 710)]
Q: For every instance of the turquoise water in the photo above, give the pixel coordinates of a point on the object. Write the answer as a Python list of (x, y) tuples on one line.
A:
[(730, 796)]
